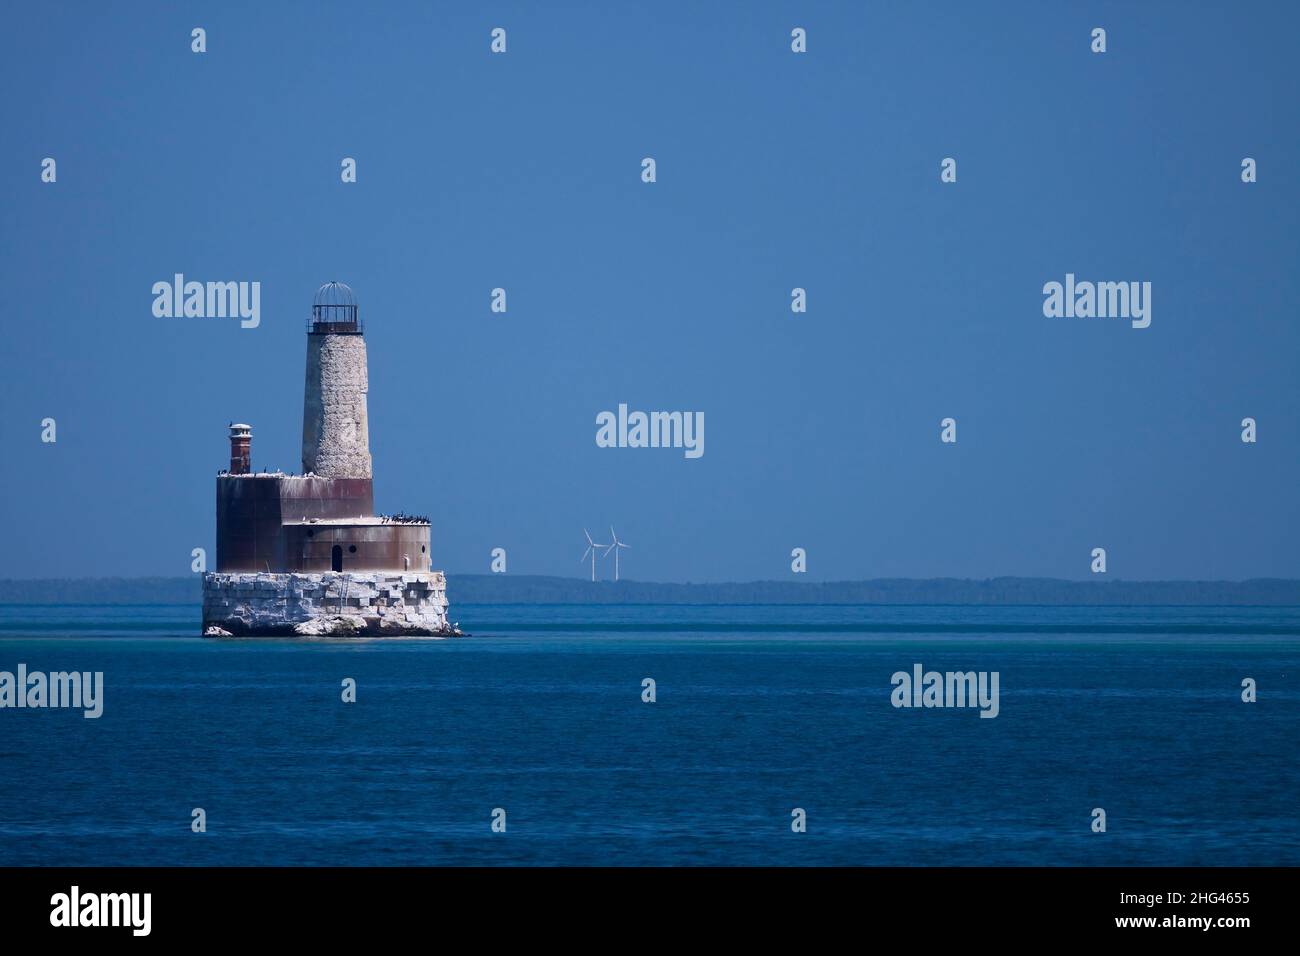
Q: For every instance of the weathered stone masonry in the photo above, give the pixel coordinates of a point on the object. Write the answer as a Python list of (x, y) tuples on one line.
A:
[(377, 604), (335, 423)]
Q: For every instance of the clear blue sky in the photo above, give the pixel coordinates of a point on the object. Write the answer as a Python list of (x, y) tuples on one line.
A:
[(775, 170)]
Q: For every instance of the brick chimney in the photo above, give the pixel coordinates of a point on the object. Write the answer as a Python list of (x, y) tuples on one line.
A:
[(241, 443)]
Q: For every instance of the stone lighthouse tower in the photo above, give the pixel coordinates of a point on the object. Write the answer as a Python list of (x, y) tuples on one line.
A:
[(335, 426)]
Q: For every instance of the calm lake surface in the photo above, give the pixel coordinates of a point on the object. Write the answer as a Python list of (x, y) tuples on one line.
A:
[(759, 710)]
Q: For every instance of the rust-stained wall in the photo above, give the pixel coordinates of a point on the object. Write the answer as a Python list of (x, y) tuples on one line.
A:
[(326, 497), (252, 534), (378, 547), (248, 524)]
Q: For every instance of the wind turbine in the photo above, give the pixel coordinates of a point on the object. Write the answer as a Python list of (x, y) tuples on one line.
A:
[(591, 549), (614, 547)]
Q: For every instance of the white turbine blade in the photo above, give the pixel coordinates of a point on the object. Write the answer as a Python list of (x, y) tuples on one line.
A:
[(608, 550), (584, 556), (589, 541), (622, 545)]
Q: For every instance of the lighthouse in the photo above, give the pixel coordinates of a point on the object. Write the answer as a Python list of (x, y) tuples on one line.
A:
[(306, 554), (335, 425)]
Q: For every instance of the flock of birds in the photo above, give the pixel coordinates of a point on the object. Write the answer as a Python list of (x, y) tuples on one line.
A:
[(400, 518)]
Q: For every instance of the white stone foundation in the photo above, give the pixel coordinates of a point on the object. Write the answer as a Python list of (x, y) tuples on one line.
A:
[(328, 604)]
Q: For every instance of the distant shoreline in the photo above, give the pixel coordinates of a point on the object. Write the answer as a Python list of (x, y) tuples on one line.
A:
[(502, 589)]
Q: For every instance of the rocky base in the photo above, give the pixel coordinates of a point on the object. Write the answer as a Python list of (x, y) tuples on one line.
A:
[(329, 604)]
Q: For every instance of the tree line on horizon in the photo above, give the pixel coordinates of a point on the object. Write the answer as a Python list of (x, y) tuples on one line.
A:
[(536, 589)]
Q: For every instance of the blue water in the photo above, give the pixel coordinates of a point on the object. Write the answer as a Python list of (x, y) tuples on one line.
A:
[(760, 710)]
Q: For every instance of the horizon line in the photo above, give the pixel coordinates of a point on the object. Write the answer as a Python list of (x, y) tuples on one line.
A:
[(756, 581)]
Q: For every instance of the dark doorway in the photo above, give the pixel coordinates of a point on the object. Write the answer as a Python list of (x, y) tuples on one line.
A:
[(336, 558)]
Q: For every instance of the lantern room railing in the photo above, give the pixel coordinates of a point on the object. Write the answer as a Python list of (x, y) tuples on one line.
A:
[(334, 311)]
